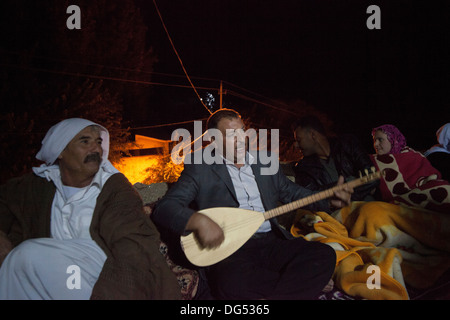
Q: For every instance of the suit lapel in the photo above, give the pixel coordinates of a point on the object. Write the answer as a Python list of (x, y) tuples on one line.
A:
[(221, 171)]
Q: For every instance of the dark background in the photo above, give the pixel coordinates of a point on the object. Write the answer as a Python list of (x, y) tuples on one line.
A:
[(275, 58), (322, 53)]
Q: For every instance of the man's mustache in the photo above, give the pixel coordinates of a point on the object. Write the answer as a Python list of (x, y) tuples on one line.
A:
[(94, 157)]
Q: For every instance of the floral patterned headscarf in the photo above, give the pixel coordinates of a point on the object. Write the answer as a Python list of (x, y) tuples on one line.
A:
[(395, 137)]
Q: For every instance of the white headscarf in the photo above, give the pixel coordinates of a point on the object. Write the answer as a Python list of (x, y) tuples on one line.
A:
[(443, 135), (59, 136)]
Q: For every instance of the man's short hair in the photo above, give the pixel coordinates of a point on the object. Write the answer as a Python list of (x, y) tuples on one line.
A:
[(309, 122), (220, 114)]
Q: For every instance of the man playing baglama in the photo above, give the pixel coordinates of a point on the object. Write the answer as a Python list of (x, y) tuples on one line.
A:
[(271, 265), (76, 226)]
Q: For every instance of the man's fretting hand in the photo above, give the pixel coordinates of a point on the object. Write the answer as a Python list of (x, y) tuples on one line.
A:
[(342, 197)]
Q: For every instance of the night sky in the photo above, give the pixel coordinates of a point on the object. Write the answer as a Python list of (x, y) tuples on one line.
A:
[(318, 51)]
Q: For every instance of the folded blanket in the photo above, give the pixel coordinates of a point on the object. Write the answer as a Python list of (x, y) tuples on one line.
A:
[(407, 245)]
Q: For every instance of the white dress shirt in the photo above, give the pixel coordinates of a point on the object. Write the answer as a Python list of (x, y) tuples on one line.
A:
[(246, 189)]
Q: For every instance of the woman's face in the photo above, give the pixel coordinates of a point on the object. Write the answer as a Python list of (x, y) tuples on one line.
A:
[(381, 143)]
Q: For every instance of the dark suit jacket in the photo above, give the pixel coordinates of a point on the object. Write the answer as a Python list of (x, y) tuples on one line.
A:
[(209, 186)]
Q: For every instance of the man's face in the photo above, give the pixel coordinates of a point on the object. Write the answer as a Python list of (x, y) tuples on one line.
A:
[(81, 159), (304, 141), (234, 142)]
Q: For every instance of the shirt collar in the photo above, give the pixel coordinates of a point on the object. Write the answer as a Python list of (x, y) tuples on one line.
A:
[(54, 174), (249, 159)]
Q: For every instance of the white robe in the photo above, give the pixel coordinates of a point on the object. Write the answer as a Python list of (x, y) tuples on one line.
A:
[(67, 265)]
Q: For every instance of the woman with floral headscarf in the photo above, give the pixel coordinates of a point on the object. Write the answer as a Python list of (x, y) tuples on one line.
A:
[(388, 139), (439, 155), (408, 177)]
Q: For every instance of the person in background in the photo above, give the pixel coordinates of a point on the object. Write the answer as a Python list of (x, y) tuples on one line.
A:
[(326, 158), (75, 228), (439, 155), (408, 177)]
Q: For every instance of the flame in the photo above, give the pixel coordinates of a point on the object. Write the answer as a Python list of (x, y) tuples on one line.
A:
[(135, 168), (149, 169)]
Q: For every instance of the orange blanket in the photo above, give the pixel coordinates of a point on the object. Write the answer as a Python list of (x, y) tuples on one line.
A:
[(405, 244)]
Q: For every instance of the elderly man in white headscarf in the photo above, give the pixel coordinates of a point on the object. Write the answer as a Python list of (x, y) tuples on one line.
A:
[(76, 226)]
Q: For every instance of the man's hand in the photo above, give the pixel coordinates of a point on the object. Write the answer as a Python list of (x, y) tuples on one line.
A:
[(342, 197), (209, 234)]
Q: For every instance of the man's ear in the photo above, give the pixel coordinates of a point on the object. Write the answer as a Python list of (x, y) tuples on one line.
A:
[(61, 154)]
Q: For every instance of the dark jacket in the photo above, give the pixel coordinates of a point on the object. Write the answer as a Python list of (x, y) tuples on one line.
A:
[(209, 186), (441, 161), (350, 159), (134, 268)]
